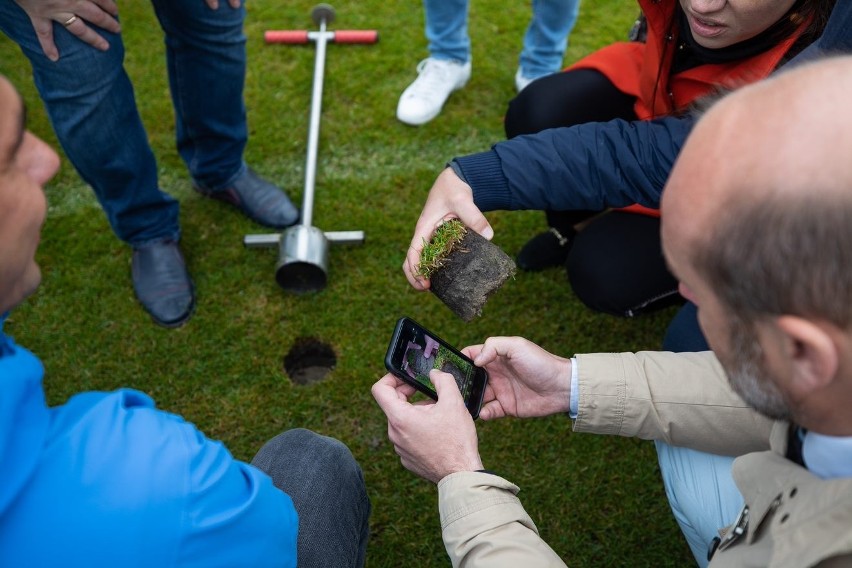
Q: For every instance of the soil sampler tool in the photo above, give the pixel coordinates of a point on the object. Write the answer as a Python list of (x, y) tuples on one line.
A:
[(303, 249)]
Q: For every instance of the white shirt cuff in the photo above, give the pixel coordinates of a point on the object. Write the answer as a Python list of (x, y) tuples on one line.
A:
[(574, 407)]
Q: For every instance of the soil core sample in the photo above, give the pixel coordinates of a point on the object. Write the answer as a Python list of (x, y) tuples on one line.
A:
[(464, 268)]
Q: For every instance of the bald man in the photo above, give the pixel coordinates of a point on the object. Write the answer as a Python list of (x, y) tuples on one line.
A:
[(755, 437)]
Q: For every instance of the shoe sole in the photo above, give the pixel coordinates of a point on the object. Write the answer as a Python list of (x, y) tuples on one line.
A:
[(177, 323)]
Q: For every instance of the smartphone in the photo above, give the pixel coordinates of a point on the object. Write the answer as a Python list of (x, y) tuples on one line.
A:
[(414, 351)]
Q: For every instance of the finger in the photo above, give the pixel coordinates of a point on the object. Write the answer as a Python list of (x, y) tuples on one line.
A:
[(472, 350), (410, 269), (424, 230), (98, 17), (446, 387), (411, 266), (491, 410), (493, 348), (234, 4), (87, 35), (462, 204), (108, 6), (391, 380), (44, 32), (470, 215), (386, 394), (212, 4), (487, 353), (405, 391)]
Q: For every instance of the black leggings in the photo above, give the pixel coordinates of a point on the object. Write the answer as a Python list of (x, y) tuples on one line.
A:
[(616, 263), (566, 99)]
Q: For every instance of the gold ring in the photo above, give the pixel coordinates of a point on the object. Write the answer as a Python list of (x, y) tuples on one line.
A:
[(69, 21)]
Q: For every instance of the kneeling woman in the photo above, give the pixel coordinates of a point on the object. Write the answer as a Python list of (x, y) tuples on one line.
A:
[(686, 49)]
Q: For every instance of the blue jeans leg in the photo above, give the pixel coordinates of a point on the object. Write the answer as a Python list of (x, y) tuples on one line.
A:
[(327, 488), (547, 36), (684, 334), (206, 59), (92, 108), (446, 29), (701, 493)]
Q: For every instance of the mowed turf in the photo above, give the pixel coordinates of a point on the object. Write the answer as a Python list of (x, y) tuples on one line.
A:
[(598, 501)]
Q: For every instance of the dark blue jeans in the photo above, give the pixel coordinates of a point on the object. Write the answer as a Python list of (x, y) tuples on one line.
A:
[(327, 488), (92, 107)]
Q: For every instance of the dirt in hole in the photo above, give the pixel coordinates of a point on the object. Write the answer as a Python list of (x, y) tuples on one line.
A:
[(309, 361)]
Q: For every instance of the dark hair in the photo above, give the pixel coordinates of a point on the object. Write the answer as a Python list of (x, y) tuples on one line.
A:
[(818, 12), (785, 254)]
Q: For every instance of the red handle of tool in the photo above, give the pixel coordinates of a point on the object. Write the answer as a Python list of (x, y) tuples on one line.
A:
[(356, 36), (286, 36)]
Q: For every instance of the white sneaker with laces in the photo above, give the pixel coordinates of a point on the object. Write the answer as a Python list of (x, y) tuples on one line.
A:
[(425, 97)]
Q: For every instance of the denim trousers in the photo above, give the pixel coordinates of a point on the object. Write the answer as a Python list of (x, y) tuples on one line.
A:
[(544, 41), (92, 107), (684, 334), (699, 486), (701, 493), (327, 487)]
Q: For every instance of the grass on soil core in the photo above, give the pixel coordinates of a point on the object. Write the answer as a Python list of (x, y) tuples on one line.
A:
[(443, 242)]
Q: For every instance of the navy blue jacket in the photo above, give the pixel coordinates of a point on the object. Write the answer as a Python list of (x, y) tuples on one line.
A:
[(588, 166)]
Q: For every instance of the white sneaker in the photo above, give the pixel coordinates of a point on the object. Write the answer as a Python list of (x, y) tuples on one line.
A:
[(437, 79), (521, 80)]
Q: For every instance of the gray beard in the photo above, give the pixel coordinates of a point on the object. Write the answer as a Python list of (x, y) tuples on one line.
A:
[(749, 377)]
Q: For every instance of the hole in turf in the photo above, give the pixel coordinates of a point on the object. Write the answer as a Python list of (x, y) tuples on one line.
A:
[(309, 361)]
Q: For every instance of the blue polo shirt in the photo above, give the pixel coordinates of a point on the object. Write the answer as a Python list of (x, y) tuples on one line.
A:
[(108, 480)]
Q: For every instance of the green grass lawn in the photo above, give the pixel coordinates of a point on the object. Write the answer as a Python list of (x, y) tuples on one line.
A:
[(597, 500)]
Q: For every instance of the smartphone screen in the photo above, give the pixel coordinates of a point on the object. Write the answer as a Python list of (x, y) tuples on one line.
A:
[(414, 351)]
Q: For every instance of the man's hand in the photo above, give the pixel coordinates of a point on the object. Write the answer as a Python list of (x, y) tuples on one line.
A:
[(432, 440), (42, 13), (214, 4), (524, 380), (449, 197)]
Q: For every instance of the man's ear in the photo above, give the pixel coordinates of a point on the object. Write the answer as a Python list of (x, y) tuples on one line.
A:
[(812, 353)]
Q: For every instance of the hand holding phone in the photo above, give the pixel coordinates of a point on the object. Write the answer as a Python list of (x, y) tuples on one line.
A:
[(432, 440), (524, 380), (414, 351)]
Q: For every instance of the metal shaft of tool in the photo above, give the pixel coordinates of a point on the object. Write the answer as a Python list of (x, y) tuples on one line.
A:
[(334, 237), (313, 127)]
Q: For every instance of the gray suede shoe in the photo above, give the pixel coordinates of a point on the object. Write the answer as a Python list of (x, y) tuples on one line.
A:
[(258, 199), (162, 283)]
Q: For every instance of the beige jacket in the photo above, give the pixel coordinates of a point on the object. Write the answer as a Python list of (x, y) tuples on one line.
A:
[(795, 518)]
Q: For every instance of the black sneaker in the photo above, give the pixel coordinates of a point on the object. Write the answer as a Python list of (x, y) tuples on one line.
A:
[(545, 250)]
